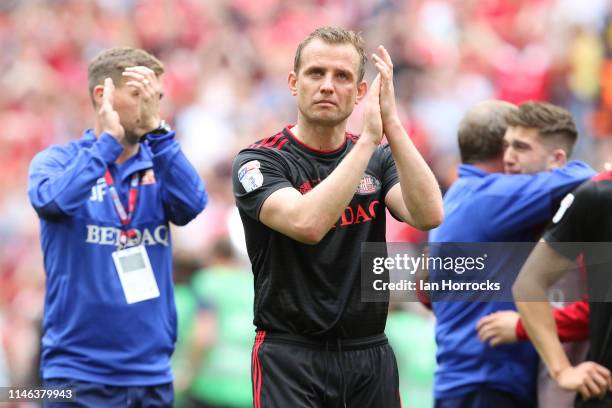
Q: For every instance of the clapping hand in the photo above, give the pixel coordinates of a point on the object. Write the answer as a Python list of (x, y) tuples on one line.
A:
[(388, 110), (373, 126), (107, 116)]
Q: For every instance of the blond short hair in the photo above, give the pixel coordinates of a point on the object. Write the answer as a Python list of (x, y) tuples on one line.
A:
[(334, 35)]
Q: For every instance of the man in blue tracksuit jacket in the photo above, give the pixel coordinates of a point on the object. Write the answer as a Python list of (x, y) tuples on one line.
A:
[(116, 189), (484, 205)]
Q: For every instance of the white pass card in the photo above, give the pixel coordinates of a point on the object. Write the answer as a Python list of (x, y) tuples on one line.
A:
[(135, 274)]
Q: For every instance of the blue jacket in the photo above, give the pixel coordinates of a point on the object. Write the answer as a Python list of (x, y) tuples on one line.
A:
[(483, 207), (90, 333)]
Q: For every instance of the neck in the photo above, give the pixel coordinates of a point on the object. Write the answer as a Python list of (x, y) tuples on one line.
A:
[(491, 166), (320, 137), (129, 150)]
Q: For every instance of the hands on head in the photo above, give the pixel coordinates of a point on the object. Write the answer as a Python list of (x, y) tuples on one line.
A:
[(148, 110), (150, 89), (380, 111)]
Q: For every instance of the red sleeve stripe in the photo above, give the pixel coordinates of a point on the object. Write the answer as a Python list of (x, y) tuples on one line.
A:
[(282, 143), (273, 141), (263, 141), (272, 145)]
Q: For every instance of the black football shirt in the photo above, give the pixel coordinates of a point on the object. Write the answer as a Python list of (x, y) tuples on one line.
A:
[(311, 290), (586, 217)]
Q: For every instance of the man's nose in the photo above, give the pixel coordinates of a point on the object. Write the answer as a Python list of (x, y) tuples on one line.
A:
[(509, 157), (327, 86)]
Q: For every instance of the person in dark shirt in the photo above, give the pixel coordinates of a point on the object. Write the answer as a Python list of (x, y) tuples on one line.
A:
[(308, 197), (584, 219)]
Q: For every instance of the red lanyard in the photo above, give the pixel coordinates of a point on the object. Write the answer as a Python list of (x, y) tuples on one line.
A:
[(124, 216)]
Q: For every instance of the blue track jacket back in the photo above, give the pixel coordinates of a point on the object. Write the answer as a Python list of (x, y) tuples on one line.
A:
[(483, 207), (90, 332)]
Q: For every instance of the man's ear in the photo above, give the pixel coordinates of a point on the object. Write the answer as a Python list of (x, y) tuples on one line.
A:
[(98, 91), (292, 83), (362, 90), (558, 158)]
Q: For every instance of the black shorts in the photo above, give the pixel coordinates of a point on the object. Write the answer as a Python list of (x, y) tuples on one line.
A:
[(605, 402), (291, 371)]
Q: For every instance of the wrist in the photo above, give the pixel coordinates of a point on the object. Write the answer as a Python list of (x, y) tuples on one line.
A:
[(556, 371), (109, 147), (368, 142), (368, 137), (160, 138), (392, 125), (153, 124), (159, 133)]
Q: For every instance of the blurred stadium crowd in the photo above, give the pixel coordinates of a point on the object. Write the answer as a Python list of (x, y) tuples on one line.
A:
[(227, 63)]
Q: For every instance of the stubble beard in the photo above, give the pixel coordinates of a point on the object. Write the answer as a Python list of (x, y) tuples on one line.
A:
[(324, 121), (131, 137)]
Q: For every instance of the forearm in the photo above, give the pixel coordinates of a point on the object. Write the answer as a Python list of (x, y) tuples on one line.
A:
[(539, 323), (60, 185), (318, 210), (183, 192), (543, 267), (420, 191)]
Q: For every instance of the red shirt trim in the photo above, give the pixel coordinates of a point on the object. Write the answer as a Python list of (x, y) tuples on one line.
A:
[(290, 133)]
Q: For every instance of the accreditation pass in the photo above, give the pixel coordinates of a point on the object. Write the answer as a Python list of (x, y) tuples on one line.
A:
[(135, 273)]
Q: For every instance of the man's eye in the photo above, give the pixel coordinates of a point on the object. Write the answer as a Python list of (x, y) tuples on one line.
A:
[(342, 75)]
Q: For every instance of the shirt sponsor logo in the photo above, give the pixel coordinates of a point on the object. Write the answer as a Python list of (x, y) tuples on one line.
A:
[(250, 175), (368, 185), (100, 235), (358, 214)]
